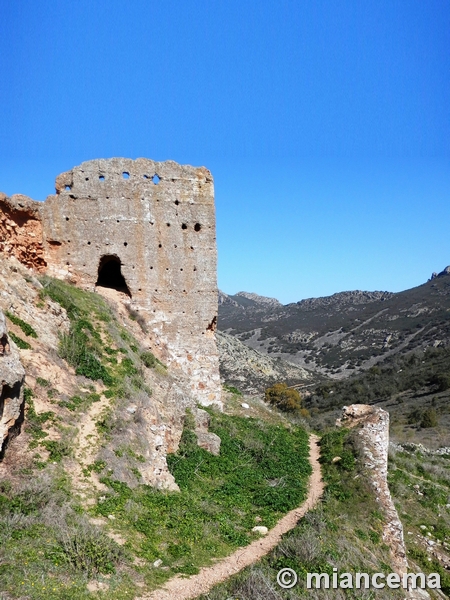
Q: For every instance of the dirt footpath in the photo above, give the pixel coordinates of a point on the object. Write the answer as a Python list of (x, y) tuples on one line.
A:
[(182, 588)]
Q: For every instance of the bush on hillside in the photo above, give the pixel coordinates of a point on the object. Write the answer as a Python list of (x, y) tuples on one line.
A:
[(283, 397), (442, 380), (429, 418)]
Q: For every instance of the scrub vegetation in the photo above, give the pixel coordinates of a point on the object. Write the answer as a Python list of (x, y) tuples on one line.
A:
[(413, 388), (25, 327), (52, 543), (343, 532), (420, 486)]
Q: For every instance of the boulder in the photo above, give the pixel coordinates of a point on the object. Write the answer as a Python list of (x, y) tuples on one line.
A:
[(209, 441), (260, 529), (205, 439)]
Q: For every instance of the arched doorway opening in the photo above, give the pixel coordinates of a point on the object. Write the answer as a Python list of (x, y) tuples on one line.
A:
[(110, 274)]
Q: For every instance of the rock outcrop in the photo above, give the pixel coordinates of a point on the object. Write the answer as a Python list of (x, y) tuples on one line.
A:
[(255, 299), (149, 420), (142, 227), (266, 301), (12, 376), (251, 371), (443, 273), (373, 432), (205, 439), (21, 232)]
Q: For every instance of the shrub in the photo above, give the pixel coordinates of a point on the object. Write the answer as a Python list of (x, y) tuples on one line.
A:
[(415, 416), (150, 360), (34, 420), (57, 449), (25, 327), (87, 549), (429, 418), (283, 397), (442, 380), (78, 348), (20, 343)]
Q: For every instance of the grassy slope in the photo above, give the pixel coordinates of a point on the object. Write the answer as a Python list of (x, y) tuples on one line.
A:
[(261, 473), (344, 532), (420, 486), (51, 544)]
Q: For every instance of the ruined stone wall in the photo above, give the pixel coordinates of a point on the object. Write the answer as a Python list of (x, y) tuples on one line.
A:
[(156, 221), (372, 425), (373, 432)]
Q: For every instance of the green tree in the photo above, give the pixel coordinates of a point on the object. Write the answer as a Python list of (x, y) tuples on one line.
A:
[(283, 397)]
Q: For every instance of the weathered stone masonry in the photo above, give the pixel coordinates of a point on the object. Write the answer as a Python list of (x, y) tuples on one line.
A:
[(152, 223)]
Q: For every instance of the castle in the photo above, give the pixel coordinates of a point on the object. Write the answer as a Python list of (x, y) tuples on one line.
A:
[(144, 228)]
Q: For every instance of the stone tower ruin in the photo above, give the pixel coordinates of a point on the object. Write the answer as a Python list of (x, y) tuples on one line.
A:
[(145, 228)]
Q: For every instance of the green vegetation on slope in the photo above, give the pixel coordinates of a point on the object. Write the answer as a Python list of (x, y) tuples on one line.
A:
[(414, 389), (20, 343), (96, 340), (420, 486), (48, 546), (394, 375), (99, 348), (262, 472), (25, 327), (51, 545), (343, 532)]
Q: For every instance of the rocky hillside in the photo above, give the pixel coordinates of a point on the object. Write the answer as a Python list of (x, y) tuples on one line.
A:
[(344, 333), (108, 374), (248, 299), (11, 385), (251, 371), (112, 479)]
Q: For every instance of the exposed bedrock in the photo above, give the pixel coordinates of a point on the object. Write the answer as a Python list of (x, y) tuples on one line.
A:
[(21, 231), (12, 375)]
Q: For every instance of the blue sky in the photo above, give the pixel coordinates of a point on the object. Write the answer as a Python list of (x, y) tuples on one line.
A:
[(326, 124)]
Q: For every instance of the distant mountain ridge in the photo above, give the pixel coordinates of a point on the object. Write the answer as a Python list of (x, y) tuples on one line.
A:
[(344, 298), (245, 299), (348, 331), (443, 273), (242, 298)]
